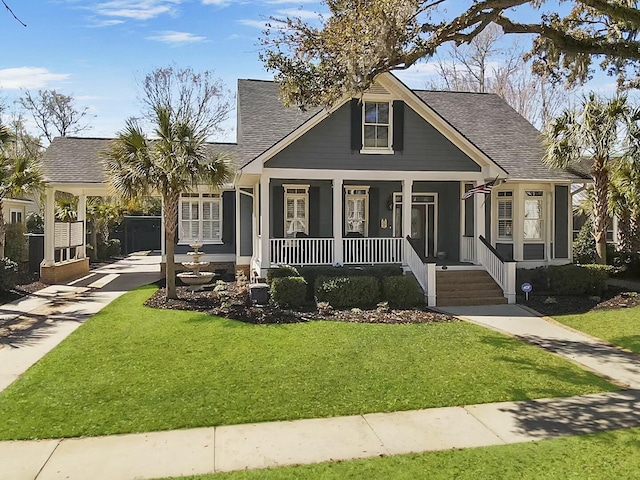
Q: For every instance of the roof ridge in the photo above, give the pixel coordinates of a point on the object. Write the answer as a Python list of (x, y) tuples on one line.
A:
[(416, 90)]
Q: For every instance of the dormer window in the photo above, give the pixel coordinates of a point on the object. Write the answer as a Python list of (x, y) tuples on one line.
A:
[(376, 125)]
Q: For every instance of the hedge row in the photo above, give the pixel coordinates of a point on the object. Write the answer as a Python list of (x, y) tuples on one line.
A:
[(566, 279), (344, 287)]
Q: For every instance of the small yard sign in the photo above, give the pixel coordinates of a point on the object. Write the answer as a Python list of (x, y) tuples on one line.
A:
[(526, 288)]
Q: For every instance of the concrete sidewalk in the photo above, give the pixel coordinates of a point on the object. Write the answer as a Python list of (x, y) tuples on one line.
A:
[(607, 360), (31, 326), (239, 447)]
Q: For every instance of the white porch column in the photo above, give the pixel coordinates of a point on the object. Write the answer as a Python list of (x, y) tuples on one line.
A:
[(82, 217), (49, 227), (264, 224), (407, 190), (238, 240), (338, 244), (479, 227)]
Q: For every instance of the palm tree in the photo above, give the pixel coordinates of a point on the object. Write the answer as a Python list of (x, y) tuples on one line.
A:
[(624, 204), (173, 163), (19, 175), (594, 134)]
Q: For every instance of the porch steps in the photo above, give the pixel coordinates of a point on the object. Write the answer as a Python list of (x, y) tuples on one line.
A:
[(467, 287)]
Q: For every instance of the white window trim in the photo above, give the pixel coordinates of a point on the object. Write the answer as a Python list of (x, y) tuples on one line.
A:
[(17, 210), (347, 195), (200, 198), (505, 199), (388, 150), (543, 201), (305, 195)]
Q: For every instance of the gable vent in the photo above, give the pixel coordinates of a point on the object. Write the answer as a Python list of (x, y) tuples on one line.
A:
[(377, 90)]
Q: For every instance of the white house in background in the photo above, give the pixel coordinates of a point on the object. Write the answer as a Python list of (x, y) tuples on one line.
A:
[(376, 180)]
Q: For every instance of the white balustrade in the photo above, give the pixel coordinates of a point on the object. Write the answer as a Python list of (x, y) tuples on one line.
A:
[(425, 273), (468, 253), (301, 251), (504, 273), (369, 251)]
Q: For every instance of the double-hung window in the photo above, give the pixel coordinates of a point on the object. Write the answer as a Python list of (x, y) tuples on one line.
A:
[(357, 210), (505, 215), (201, 217), (533, 215), (296, 210), (16, 216), (376, 126)]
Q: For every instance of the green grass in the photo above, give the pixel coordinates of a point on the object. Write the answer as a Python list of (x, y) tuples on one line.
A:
[(133, 369), (620, 327), (591, 457)]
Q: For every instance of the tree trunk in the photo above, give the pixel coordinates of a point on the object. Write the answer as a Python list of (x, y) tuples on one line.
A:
[(600, 203), (170, 221), (3, 231)]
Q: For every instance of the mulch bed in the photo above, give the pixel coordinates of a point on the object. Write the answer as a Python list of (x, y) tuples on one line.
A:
[(567, 304), (231, 300)]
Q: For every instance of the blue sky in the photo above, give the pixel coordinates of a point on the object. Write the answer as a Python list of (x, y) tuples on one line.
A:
[(95, 50)]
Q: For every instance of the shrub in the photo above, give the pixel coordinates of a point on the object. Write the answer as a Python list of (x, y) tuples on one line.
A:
[(584, 246), (348, 292), (578, 280), (16, 244), (310, 274), (35, 223), (8, 272), (288, 292), (537, 277), (282, 271), (109, 249), (402, 292)]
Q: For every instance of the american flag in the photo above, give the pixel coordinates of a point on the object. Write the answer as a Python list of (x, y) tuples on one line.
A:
[(485, 188)]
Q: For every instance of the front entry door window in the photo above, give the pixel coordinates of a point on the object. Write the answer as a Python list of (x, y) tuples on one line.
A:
[(418, 228)]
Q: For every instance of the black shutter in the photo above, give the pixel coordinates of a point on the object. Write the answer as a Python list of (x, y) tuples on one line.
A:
[(356, 124), (374, 212), (398, 125), (314, 212), (277, 212)]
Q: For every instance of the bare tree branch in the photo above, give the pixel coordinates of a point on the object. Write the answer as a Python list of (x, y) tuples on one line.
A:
[(13, 14)]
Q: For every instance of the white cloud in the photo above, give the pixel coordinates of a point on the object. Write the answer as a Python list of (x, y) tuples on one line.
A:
[(261, 24), (28, 77), (107, 23), (136, 9), (176, 38), (291, 2), (299, 13), (417, 75)]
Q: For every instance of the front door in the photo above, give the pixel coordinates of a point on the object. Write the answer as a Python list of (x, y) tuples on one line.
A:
[(423, 228), (419, 229)]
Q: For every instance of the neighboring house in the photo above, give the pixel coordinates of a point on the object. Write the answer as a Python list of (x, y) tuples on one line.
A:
[(377, 180), (15, 210)]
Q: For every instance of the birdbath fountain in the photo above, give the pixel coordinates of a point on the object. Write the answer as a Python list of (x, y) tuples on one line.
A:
[(194, 277)]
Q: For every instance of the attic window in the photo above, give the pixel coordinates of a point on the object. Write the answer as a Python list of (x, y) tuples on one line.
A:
[(376, 126)]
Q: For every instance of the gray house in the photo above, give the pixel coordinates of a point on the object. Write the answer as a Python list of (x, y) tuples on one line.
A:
[(376, 180)]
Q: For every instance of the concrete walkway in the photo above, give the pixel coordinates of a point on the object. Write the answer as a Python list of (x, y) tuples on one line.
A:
[(238, 447), (31, 326), (611, 362)]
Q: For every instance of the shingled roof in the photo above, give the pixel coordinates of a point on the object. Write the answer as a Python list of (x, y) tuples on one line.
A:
[(262, 118), (496, 129), (76, 160)]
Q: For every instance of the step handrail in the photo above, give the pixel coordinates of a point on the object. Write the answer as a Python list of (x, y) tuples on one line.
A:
[(501, 270)]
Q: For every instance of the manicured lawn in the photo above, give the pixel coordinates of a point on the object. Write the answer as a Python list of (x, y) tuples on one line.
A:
[(134, 369), (590, 457), (620, 327)]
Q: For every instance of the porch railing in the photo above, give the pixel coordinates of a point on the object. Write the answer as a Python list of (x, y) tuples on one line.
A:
[(372, 250), (425, 273), (468, 253), (301, 251), (501, 270)]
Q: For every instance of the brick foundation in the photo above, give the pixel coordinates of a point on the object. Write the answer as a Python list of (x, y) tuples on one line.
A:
[(64, 272)]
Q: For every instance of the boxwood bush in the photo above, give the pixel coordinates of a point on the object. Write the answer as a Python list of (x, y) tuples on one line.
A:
[(348, 292), (566, 279), (283, 271), (288, 292), (8, 273), (402, 292), (310, 274)]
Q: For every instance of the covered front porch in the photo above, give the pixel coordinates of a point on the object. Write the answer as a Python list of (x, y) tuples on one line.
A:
[(366, 220)]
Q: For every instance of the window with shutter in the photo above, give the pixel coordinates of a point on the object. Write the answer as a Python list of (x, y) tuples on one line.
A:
[(200, 218), (505, 215), (296, 210), (357, 210)]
